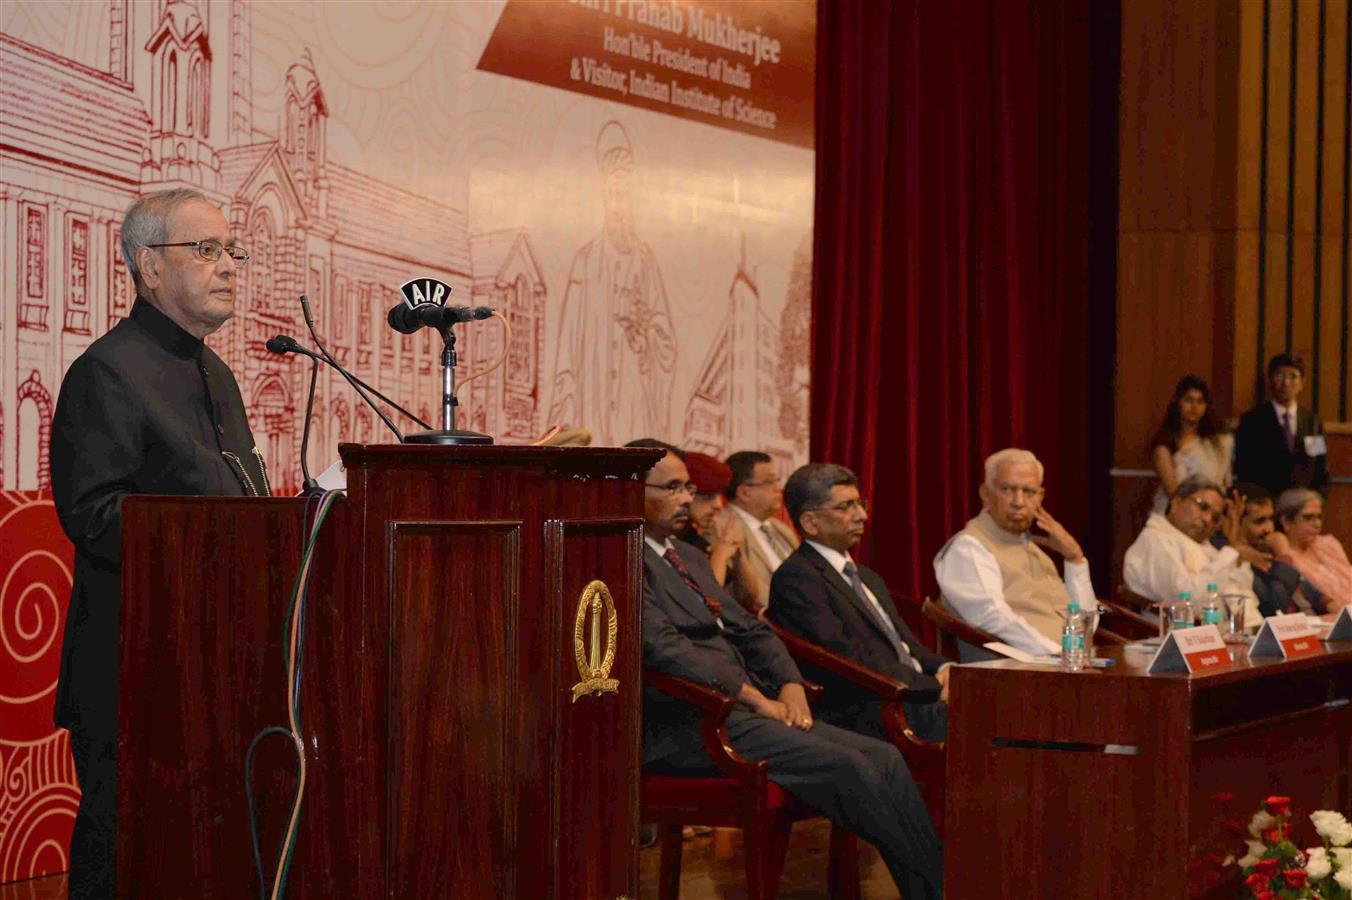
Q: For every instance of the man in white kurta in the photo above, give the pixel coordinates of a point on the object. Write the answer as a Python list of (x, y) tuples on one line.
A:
[(1172, 554), (994, 574)]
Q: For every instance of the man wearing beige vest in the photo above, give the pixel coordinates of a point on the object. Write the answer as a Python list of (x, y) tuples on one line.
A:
[(755, 496), (994, 574)]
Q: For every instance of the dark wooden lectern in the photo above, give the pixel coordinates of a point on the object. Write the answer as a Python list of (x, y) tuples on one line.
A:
[(448, 753)]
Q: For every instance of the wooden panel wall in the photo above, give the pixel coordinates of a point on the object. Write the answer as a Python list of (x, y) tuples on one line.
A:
[(1293, 195), (1233, 213), (1176, 213)]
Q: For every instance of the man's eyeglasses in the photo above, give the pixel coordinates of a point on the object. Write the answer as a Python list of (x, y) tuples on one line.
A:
[(1010, 491), (674, 487), (210, 250), (844, 509), (1203, 505)]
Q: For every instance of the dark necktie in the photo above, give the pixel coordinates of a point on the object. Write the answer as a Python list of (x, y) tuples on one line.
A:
[(678, 564), (1288, 432), (876, 611)]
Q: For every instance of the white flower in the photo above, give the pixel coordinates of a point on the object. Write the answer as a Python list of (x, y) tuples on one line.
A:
[(1319, 865), (1260, 822), (1248, 862), (1332, 826), (1256, 848), (1344, 879), (1343, 856)]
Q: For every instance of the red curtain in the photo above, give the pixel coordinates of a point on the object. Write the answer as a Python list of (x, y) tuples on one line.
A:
[(952, 313)]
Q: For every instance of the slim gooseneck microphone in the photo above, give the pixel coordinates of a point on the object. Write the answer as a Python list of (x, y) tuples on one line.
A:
[(310, 324), (285, 343)]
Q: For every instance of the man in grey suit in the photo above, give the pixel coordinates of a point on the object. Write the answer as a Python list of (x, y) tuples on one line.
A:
[(693, 629)]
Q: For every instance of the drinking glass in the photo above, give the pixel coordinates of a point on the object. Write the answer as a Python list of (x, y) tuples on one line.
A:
[(1165, 610), (1234, 618)]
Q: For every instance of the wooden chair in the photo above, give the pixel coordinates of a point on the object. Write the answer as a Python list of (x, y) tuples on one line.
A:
[(925, 759), (1134, 602), (1130, 624), (742, 797), (957, 639)]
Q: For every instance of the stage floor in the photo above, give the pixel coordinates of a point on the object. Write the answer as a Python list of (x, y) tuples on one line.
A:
[(712, 869)]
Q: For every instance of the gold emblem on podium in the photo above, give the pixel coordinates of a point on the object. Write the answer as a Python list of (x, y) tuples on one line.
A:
[(595, 658)]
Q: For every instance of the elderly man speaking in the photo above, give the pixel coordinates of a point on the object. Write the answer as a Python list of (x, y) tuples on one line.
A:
[(146, 409), (994, 574)]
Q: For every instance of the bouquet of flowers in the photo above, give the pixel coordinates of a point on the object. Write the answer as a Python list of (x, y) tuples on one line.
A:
[(1276, 869)]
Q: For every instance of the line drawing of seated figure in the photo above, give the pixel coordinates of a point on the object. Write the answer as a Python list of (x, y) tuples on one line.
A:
[(616, 347)]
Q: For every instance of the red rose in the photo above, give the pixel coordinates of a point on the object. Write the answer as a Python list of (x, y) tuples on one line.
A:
[(1267, 895), (1295, 877), (1267, 867), (1278, 806), (1256, 882), (1272, 835)]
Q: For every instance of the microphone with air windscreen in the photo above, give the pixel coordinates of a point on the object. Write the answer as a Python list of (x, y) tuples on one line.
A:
[(425, 305)]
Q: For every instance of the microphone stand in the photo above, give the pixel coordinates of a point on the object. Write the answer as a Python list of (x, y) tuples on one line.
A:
[(310, 324), (310, 488), (448, 434)]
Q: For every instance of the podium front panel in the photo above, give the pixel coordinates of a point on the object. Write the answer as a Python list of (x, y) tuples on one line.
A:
[(471, 681)]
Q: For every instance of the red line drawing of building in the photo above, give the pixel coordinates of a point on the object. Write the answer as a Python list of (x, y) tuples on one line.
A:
[(745, 369), (78, 143)]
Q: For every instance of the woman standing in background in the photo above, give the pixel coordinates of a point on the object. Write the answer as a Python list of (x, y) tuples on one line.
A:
[(1192, 441)]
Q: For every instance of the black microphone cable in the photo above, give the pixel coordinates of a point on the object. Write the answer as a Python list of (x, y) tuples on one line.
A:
[(310, 485), (314, 333)]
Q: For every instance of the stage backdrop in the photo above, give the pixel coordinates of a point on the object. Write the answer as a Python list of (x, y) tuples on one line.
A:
[(631, 184)]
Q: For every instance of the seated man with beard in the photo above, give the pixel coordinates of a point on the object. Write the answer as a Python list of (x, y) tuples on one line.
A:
[(1280, 587)]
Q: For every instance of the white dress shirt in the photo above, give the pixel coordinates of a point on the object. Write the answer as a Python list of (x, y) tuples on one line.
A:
[(972, 585), (1163, 562), (838, 561)]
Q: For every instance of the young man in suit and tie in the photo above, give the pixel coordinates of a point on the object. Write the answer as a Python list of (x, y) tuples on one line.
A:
[(1279, 445), (693, 629), (754, 498), (821, 594)]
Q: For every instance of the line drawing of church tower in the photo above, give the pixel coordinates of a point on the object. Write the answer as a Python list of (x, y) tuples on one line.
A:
[(170, 105), (742, 372)]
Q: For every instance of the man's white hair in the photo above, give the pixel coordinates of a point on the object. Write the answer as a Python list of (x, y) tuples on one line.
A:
[(146, 222), (1008, 456)]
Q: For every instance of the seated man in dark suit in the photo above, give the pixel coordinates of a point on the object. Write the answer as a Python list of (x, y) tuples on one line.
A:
[(1278, 444), (821, 595), (692, 628), (1280, 587)]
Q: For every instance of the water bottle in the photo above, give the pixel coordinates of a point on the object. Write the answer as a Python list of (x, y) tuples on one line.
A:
[(1072, 639), (1181, 612), (1213, 613)]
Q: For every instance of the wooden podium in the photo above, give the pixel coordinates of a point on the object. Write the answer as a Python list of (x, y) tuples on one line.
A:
[(447, 752)]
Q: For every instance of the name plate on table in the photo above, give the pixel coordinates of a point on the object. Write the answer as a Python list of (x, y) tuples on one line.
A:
[(1191, 650), (1342, 626), (1285, 636)]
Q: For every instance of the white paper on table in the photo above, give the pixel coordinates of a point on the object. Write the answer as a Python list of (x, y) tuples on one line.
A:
[(334, 478)]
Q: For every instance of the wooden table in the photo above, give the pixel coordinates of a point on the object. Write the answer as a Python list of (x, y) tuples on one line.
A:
[(1037, 808)]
